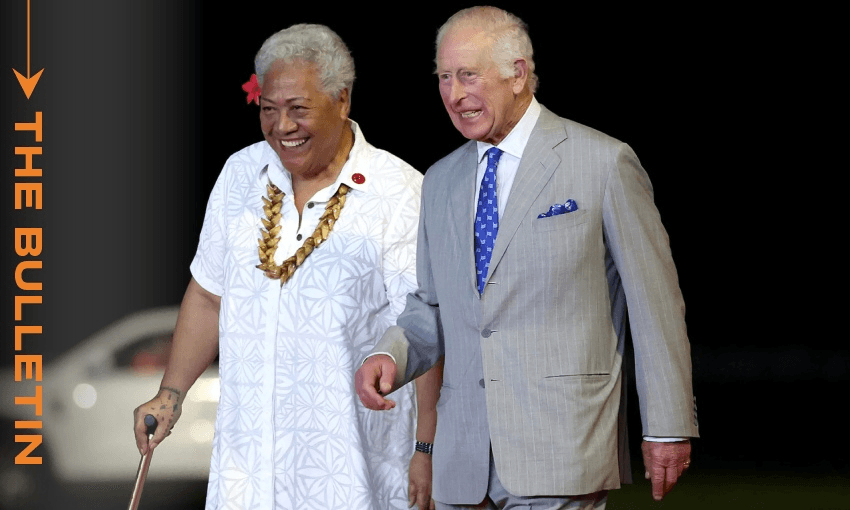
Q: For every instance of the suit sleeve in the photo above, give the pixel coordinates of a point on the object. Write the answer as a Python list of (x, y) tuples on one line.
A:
[(416, 342), (640, 249)]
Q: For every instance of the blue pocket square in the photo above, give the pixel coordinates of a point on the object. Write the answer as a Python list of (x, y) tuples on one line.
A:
[(567, 207)]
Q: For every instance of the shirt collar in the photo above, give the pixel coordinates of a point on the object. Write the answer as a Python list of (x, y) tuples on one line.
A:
[(355, 165), (514, 144)]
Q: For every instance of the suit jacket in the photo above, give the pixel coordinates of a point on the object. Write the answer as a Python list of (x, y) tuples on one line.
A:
[(533, 367)]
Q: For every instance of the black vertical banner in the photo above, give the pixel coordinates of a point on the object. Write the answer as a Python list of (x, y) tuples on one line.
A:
[(119, 107), (99, 161)]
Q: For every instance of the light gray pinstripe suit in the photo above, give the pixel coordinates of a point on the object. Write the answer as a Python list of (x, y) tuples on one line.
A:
[(534, 366)]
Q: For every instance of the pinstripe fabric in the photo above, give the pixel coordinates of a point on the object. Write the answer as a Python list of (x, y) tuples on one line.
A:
[(534, 366)]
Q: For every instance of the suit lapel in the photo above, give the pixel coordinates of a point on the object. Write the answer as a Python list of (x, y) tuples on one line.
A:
[(536, 167), (461, 207)]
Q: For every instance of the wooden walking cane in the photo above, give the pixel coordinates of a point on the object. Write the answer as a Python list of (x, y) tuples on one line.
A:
[(144, 464)]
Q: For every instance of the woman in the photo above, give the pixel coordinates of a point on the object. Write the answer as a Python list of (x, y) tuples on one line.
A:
[(291, 314)]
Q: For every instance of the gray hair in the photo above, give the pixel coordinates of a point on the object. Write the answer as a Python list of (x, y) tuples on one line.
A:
[(508, 33), (311, 43)]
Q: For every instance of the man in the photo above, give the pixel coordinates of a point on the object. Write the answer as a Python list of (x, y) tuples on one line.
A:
[(530, 406), (292, 313)]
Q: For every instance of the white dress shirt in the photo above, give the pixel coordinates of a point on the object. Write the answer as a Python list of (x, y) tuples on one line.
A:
[(512, 148), (290, 431)]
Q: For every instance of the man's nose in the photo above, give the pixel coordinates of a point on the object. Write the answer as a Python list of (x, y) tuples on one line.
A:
[(457, 91)]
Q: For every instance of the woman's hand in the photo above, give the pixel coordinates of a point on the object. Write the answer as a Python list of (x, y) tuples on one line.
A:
[(420, 481), (166, 407)]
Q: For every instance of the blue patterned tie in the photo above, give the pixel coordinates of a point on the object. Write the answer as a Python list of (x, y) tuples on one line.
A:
[(486, 218)]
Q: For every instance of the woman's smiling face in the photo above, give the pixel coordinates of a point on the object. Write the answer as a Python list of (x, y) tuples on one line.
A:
[(302, 123)]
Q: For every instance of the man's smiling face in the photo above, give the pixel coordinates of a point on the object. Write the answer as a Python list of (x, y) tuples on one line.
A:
[(481, 104)]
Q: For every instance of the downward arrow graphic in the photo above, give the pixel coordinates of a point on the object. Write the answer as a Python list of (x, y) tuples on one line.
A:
[(29, 82)]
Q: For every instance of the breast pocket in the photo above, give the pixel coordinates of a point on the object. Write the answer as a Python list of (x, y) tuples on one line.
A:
[(560, 221)]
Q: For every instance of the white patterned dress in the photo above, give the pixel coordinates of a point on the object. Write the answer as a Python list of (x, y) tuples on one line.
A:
[(290, 430)]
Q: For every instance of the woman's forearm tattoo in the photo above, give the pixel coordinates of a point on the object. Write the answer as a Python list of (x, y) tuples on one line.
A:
[(173, 394)]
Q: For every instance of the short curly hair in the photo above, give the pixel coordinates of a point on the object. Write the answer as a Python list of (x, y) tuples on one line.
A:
[(312, 43)]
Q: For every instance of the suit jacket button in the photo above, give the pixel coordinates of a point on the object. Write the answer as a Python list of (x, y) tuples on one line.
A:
[(486, 333), (481, 382)]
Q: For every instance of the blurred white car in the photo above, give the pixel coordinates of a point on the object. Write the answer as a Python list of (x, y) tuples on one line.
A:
[(89, 394)]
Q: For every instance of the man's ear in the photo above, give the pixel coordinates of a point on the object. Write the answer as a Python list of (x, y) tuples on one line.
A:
[(520, 75)]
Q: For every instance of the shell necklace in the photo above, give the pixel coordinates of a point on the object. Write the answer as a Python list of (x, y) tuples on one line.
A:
[(271, 233)]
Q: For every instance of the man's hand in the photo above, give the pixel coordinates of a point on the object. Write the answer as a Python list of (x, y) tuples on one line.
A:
[(166, 407), (664, 464), (419, 492), (374, 380)]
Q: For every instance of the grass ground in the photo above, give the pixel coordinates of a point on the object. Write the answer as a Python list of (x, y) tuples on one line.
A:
[(718, 489)]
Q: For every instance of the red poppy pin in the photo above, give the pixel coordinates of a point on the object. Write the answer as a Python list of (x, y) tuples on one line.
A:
[(252, 87)]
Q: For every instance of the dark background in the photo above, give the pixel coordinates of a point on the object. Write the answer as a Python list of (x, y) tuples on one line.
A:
[(727, 111)]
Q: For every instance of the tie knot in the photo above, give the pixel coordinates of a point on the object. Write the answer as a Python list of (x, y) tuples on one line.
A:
[(493, 155)]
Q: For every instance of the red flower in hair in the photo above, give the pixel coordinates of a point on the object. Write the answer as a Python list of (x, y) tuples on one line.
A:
[(252, 87)]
